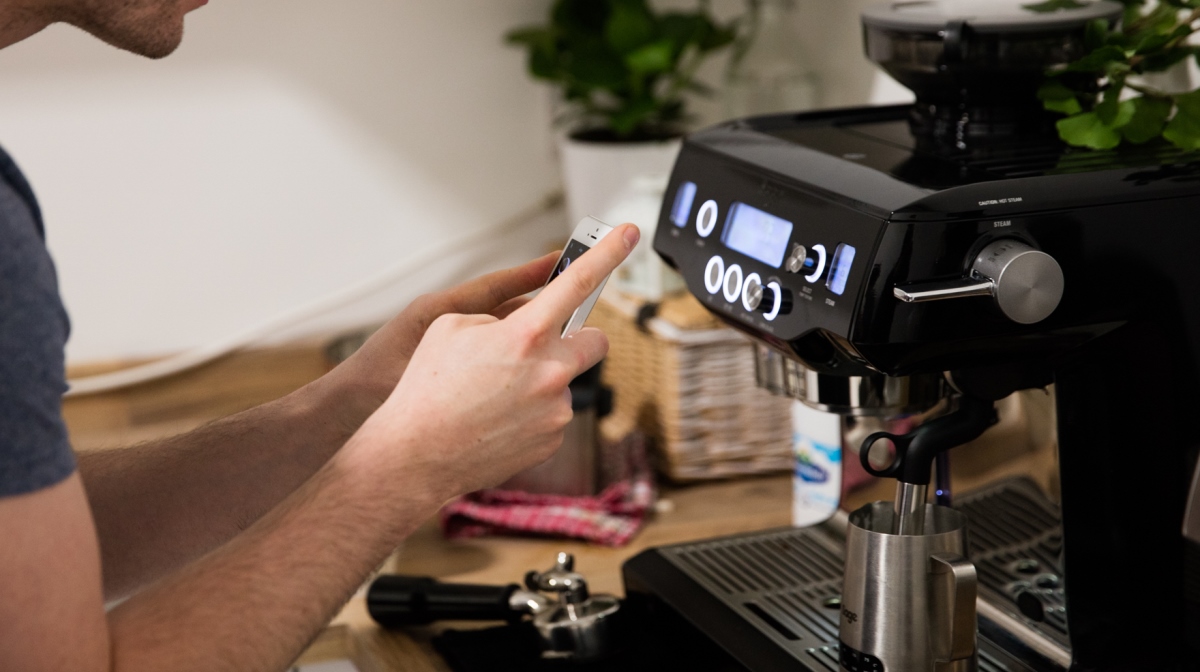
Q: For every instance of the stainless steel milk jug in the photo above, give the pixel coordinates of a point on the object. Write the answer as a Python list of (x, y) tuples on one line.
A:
[(908, 601)]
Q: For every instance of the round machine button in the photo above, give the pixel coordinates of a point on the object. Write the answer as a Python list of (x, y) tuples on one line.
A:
[(733, 282), (776, 301), (706, 218), (752, 292), (714, 274), (816, 254), (796, 258)]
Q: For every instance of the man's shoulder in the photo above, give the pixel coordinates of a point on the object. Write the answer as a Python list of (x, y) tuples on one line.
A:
[(20, 188), (34, 449)]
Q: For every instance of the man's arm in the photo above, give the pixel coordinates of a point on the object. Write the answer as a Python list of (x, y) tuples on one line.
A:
[(254, 602), (161, 504), (250, 605)]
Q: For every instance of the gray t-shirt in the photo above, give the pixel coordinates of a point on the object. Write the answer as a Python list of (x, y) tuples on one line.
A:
[(34, 449)]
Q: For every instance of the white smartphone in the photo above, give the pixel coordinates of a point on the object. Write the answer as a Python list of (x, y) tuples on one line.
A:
[(587, 233)]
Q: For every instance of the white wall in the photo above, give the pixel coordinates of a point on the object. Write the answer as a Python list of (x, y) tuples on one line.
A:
[(286, 150), (293, 147)]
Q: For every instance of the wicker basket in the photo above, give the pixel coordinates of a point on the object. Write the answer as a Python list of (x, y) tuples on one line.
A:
[(688, 384)]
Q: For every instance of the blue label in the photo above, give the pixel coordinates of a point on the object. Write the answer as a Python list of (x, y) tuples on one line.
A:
[(830, 453), (809, 472)]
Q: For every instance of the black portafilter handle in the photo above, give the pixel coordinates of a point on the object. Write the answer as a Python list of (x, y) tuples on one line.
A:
[(917, 450), (395, 600)]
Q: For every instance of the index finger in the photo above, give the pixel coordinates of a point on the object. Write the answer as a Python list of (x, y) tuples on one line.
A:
[(559, 299)]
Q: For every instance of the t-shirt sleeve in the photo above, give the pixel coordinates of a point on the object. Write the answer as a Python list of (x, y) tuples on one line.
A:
[(35, 451)]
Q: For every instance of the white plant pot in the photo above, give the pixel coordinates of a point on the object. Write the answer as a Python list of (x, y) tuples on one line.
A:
[(619, 182), (596, 173)]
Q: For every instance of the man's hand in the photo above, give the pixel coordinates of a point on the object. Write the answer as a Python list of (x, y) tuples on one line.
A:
[(367, 378), (197, 490), (485, 397)]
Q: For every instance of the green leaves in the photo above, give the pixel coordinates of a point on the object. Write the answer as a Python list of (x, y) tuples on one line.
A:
[(1149, 41), (1055, 96), (619, 64), (1149, 117), (652, 58), (1100, 60), (1089, 129), (629, 26), (1184, 128), (1109, 109), (1054, 5)]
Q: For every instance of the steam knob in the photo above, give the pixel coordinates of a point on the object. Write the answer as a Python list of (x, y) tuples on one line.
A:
[(1027, 284)]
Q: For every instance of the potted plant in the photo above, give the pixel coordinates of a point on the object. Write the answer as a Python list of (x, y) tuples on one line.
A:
[(623, 71), (1129, 107)]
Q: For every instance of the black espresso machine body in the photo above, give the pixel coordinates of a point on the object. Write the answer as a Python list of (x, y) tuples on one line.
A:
[(832, 211)]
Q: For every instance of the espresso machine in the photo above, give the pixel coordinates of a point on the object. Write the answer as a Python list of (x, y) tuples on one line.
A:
[(887, 261)]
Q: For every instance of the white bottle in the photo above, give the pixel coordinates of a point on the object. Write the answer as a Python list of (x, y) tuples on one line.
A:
[(817, 466), (643, 273)]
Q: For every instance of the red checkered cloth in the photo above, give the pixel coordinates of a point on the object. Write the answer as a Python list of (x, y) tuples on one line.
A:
[(610, 518)]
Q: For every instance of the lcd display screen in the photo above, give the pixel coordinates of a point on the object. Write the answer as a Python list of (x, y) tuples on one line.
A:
[(757, 234), (681, 210), (839, 269)]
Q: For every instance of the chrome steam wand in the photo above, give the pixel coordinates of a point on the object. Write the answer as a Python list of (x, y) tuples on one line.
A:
[(916, 451)]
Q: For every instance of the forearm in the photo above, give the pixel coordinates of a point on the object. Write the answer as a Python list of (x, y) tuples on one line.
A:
[(254, 603), (161, 504)]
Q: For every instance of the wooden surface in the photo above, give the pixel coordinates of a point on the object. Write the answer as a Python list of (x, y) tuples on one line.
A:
[(181, 403), (687, 513), (1018, 445)]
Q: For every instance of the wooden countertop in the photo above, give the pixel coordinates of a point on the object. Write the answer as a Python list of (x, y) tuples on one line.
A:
[(685, 513)]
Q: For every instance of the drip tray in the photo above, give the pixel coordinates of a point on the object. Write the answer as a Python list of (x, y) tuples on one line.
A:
[(786, 583), (1016, 544)]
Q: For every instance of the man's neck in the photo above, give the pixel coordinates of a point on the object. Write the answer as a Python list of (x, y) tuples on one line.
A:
[(18, 21)]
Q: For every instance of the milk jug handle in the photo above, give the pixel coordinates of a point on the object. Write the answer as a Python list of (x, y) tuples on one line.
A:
[(954, 587)]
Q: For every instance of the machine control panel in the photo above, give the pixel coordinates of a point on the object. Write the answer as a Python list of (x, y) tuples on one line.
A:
[(753, 253)]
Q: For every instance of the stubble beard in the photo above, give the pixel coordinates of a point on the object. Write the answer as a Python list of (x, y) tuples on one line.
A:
[(151, 28)]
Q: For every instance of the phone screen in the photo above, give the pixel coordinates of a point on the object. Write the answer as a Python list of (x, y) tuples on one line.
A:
[(571, 253)]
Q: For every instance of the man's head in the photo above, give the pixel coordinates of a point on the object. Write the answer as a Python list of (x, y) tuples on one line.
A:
[(152, 28)]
